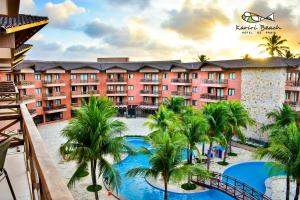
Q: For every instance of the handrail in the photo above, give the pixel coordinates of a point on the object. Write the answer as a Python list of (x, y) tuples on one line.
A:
[(85, 81), (46, 182), (231, 186), (213, 97), (220, 81)]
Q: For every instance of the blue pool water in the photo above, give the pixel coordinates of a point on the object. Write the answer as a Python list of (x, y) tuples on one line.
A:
[(253, 173)]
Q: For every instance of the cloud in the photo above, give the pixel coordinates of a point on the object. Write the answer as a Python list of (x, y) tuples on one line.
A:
[(194, 22), (60, 13), (131, 3), (27, 7)]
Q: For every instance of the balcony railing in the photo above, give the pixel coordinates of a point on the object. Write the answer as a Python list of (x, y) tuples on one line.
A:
[(55, 94), (24, 83), (53, 81), (45, 181), (144, 103), (148, 80), (57, 107), (180, 80), (26, 97), (85, 81), (181, 93), (213, 97), (210, 81), (293, 103), (116, 80), (119, 103), (91, 92), (292, 83), (116, 92), (150, 92)]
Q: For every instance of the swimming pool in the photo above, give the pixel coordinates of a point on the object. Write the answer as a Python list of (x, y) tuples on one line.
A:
[(138, 189)]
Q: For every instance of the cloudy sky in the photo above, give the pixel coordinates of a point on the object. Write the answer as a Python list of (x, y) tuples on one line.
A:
[(156, 29)]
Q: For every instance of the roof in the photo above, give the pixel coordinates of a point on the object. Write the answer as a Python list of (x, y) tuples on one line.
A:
[(10, 22), (162, 65), (22, 49)]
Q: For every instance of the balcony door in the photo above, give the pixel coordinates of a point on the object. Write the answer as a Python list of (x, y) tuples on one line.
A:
[(48, 78), (120, 88), (83, 77), (220, 92), (154, 77), (220, 76), (294, 96), (84, 89), (155, 88)]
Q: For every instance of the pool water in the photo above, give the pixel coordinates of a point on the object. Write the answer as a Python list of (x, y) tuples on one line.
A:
[(136, 188)]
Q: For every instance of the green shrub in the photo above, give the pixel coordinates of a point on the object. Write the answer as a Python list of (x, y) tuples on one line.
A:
[(188, 186), (232, 154), (91, 188), (223, 163)]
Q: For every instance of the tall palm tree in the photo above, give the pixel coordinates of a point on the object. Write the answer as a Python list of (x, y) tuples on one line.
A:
[(166, 161), (194, 127), (284, 149), (217, 116), (202, 58), (282, 117), (238, 118), (274, 44), (175, 104), (91, 137), (289, 55)]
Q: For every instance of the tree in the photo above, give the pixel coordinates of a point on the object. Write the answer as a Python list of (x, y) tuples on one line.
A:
[(91, 137), (274, 44), (246, 56), (284, 149), (194, 128), (289, 55), (238, 118), (166, 161), (217, 116), (175, 104), (202, 58)]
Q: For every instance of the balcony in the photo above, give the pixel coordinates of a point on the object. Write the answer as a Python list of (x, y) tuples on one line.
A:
[(25, 84), (149, 81), (55, 95), (116, 93), (75, 106), (27, 98), (212, 98), (150, 93), (53, 83), (294, 105), (186, 95), (116, 81), (121, 104), (180, 81), (79, 94), (215, 83), (55, 109), (149, 105), (85, 82), (292, 85)]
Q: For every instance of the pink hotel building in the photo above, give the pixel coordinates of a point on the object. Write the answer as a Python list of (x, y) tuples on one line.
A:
[(52, 90)]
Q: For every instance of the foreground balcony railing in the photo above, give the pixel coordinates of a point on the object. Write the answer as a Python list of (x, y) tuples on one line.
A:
[(213, 97), (182, 93), (180, 80), (45, 181), (221, 82)]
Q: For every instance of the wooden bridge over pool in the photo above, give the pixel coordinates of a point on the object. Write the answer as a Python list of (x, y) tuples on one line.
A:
[(231, 186)]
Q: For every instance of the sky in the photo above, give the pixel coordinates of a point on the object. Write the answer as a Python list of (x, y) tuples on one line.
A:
[(83, 30)]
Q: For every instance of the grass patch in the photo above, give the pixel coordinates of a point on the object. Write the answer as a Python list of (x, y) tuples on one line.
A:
[(232, 154), (91, 188), (223, 163), (188, 186)]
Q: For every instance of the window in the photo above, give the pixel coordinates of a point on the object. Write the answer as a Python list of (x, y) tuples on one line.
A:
[(165, 87), (210, 90), (57, 89), (165, 99), (57, 101), (296, 77), (147, 76), (38, 90), (194, 102), (93, 76), (220, 92), (111, 99), (232, 75), (194, 75), (186, 102), (73, 76), (231, 92), (120, 87), (83, 77), (288, 76), (210, 75), (8, 78), (287, 96), (130, 87), (56, 76), (48, 78), (74, 100), (73, 88), (130, 98), (37, 77), (94, 87), (165, 75), (146, 99), (110, 88), (38, 104), (23, 77), (194, 89), (130, 76)]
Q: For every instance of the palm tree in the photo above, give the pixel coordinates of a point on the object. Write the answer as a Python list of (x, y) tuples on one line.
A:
[(217, 116), (289, 55), (91, 137), (175, 104), (202, 58), (284, 149), (194, 127), (246, 56), (166, 161), (274, 44), (281, 117), (238, 118)]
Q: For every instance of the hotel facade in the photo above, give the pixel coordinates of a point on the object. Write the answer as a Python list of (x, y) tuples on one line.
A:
[(52, 90)]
